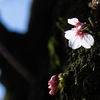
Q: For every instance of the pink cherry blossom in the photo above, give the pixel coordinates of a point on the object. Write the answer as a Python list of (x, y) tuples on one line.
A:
[(53, 81), (53, 85), (77, 37), (53, 91), (57, 82)]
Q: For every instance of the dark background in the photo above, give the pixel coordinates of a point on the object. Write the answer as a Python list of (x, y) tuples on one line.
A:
[(32, 52)]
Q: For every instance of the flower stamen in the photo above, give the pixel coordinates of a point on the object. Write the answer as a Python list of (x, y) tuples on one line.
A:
[(80, 32), (78, 24)]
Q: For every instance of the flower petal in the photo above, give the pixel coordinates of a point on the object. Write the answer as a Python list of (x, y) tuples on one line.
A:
[(70, 33), (49, 87), (75, 42), (87, 41), (51, 92), (73, 21)]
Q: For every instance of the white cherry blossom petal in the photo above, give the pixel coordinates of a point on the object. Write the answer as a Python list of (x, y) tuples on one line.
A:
[(70, 33), (76, 35), (75, 29), (90, 38), (87, 41), (75, 42), (73, 21)]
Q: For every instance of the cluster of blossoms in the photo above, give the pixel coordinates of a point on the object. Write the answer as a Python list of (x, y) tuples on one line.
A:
[(53, 85), (57, 82), (77, 37)]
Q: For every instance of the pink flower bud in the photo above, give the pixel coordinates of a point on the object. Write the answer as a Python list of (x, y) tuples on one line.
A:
[(54, 81), (53, 91)]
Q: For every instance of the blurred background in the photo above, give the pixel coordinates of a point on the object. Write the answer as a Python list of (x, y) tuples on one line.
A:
[(32, 47), (25, 29)]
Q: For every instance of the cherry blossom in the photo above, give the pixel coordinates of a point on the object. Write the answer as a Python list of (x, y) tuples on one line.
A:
[(74, 21), (77, 37), (53, 85), (57, 82)]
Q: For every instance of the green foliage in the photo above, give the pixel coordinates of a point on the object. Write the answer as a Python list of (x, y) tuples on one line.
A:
[(62, 24), (54, 60), (91, 21)]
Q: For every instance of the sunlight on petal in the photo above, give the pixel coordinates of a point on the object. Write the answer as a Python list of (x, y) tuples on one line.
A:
[(89, 38), (69, 34), (75, 42), (73, 21), (87, 41)]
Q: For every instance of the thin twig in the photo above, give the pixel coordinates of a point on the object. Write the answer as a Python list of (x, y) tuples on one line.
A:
[(15, 64)]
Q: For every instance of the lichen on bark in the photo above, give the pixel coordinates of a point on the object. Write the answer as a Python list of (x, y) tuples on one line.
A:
[(83, 65)]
